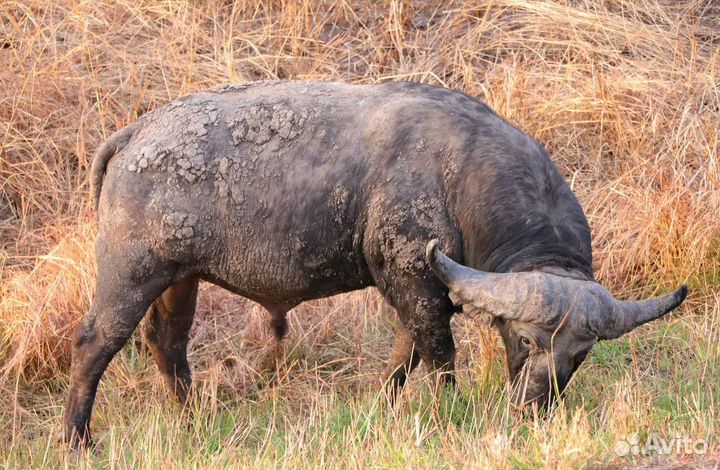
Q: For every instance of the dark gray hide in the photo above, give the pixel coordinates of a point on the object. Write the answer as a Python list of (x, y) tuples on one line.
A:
[(289, 191)]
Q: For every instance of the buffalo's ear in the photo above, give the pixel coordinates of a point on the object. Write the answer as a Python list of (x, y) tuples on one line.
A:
[(459, 300), (471, 310), (486, 319)]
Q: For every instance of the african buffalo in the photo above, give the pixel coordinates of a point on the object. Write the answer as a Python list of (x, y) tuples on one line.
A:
[(289, 191)]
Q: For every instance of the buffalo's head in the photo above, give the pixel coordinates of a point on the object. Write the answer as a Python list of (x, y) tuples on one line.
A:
[(548, 322)]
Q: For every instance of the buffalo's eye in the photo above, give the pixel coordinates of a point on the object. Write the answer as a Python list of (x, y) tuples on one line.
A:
[(525, 341)]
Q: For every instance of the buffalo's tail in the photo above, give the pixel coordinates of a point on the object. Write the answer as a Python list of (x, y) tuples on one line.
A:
[(112, 146)]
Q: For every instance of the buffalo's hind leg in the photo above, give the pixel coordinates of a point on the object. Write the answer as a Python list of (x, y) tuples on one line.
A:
[(129, 279), (167, 330)]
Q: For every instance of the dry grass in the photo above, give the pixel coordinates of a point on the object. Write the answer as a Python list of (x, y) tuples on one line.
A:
[(623, 93)]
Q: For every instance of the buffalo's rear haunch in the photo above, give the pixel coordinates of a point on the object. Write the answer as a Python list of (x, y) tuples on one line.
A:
[(289, 191)]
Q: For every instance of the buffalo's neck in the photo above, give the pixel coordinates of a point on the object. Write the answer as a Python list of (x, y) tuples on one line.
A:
[(538, 256), (528, 249), (516, 213)]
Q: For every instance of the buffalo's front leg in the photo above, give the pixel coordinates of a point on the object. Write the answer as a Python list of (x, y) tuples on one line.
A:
[(167, 330), (427, 319), (403, 359), (395, 256), (424, 311), (436, 347)]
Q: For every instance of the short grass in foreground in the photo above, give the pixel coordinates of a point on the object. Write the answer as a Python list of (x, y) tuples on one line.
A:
[(323, 407)]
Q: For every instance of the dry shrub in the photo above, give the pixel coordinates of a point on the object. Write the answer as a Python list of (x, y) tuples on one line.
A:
[(41, 305), (624, 96)]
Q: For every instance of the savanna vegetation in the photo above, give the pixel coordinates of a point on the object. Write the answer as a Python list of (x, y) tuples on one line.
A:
[(625, 94)]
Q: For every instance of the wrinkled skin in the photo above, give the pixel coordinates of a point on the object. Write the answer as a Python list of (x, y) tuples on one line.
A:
[(284, 192)]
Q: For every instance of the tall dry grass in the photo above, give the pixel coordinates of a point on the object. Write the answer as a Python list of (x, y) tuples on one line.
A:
[(623, 93)]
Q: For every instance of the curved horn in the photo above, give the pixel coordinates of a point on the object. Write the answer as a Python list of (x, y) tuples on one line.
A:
[(447, 270), (525, 296), (542, 297), (627, 315)]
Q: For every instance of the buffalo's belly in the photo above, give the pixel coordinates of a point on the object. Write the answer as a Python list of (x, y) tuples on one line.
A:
[(290, 250), (288, 270)]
